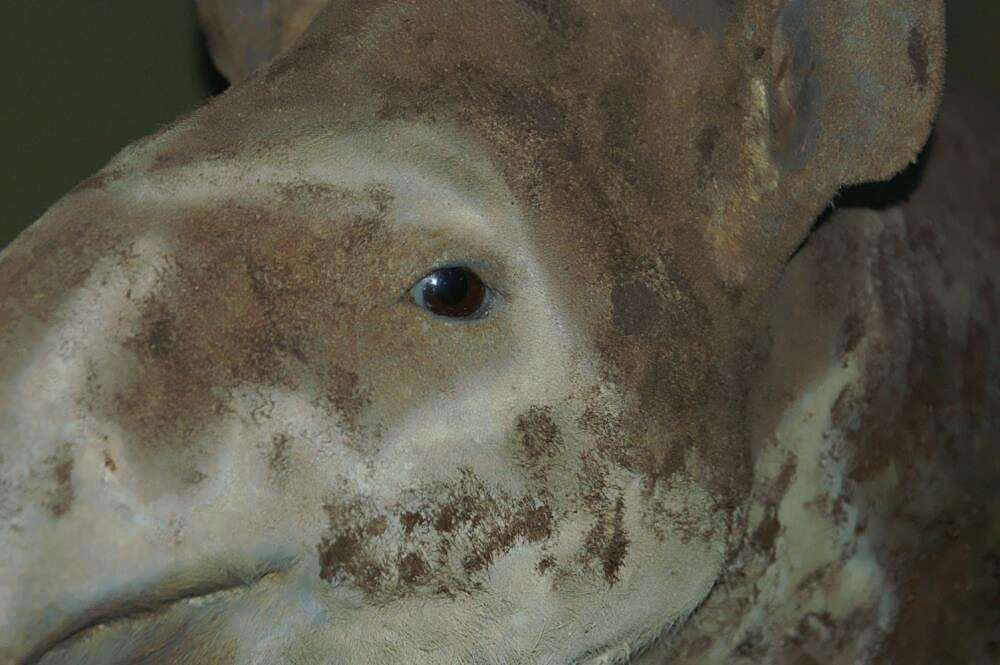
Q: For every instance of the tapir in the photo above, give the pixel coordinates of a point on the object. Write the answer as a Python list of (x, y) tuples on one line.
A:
[(520, 331)]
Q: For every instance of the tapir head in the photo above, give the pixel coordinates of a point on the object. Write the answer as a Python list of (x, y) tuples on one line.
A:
[(430, 340)]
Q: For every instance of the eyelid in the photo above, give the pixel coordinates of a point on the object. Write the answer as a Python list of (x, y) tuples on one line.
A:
[(490, 271), (481, 268)]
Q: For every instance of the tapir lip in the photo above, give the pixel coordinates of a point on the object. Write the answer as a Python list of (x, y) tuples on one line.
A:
[(174, 588)]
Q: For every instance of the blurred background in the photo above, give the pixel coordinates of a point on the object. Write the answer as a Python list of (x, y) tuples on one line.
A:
[(83, 78)]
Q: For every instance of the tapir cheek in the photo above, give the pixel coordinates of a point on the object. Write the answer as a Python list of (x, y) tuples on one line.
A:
[(440, 539)]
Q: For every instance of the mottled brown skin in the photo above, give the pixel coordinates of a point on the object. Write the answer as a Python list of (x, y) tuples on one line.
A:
[(918, 278), (669, 159)]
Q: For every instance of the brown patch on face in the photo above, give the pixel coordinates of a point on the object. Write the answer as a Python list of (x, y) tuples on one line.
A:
[(664, 351), (711, 17), (410, 519), (916, 49), (607, 542), (459, 530), (59, 500), (593, 480), (446, 520), (707, 140), (617, 549), (346, 394), (623, 103), (254, 298), (651, 438), (158, 337), (637, 309), (413, 568), (278, 460), (563, 17), (377, 526), (541, 440), (342, 557), (767, 531), (531, 523), (614, 444), (109, 462)]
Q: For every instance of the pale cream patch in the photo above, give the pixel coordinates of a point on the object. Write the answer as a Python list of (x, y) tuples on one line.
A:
[(821, 565), (43, 407), (434, 182)]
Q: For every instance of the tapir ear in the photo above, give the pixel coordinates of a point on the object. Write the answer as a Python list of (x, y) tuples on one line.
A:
[(854, 85), (244, 34)]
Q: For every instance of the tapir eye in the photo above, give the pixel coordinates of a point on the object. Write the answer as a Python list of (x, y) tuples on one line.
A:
[(456, 293)]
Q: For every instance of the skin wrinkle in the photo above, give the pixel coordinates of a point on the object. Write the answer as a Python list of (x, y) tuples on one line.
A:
[(657, 416)]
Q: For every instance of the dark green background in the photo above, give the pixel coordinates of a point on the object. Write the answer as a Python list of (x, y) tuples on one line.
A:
[(85, 77)]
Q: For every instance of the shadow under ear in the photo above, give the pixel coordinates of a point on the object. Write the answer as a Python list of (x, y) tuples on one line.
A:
[(883, 195), (211, 78), (875, 195)]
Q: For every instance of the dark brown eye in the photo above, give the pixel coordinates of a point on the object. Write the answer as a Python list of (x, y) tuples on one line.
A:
[(456, 293)]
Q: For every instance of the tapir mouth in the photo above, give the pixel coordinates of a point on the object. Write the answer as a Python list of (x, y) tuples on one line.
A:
[(148, 603)]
